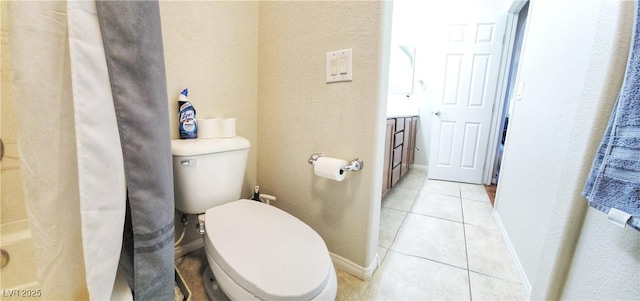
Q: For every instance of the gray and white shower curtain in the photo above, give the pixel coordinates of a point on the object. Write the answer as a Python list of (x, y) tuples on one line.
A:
[(93, 124)]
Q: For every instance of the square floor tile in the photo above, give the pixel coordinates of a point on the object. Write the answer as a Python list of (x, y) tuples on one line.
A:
[(412, 180), (438, 205), (478, 214), (400, 199), (488, 288), (474, 192), (432, 238), (349, 287), (403, 277), (488, 253), (442, 187), (382, 253), (390, 221)]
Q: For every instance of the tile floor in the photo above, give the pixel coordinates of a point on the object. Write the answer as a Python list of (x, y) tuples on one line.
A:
[(437, 240)]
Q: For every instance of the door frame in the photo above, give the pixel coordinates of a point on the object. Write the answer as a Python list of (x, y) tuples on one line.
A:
[(498, 104)]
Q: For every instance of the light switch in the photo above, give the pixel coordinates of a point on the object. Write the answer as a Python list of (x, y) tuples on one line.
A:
[(334, 66), (343, 65), (339, 66)]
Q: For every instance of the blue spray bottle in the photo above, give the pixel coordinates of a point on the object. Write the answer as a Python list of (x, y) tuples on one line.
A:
[(188, 126)]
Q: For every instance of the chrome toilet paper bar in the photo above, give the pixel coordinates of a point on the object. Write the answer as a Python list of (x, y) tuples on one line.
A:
[(354, 165)]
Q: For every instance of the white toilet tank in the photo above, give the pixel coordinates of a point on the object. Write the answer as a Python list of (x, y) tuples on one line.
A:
[(208, 172)]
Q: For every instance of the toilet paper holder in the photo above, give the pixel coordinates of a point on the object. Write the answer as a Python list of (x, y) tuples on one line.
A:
[(354, 165)]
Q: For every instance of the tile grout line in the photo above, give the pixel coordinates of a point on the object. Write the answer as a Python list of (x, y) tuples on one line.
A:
[(403, 220), (417, 196), (495, 277), (441, 193), (436, 217), (397, 232), (466, 248), (429, 259), (395, 236), (479, 201)]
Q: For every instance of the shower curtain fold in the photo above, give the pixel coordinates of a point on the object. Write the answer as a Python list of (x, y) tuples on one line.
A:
[(100, 163), (44, 111)]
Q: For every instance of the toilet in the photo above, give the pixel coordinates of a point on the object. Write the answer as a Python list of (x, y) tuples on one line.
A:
[(255, 251)]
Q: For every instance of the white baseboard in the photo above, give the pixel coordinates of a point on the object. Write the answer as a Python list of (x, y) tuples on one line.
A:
[(526, 285), (346, 265), (184, 249)]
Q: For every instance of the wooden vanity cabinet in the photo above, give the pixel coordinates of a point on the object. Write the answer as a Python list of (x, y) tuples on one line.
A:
[(388, 152), (399, 150)]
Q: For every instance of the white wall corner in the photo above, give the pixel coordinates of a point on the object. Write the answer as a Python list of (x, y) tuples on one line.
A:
[(526, 285), (346, 265)]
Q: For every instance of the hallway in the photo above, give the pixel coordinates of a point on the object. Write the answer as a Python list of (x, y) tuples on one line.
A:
[(437, 240)]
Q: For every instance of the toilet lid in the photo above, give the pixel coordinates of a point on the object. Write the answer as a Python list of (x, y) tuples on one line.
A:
[(267, 251)]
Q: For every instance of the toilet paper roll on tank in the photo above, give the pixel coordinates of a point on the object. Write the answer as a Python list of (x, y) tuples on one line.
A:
[(216, 128)]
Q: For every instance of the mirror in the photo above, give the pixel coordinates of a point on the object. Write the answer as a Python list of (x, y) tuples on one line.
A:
[(401, 68)]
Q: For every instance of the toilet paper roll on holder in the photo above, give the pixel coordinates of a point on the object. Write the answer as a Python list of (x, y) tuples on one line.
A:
[(354, 165)]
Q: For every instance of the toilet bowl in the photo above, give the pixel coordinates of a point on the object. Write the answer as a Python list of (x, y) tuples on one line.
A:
[(255, 251)]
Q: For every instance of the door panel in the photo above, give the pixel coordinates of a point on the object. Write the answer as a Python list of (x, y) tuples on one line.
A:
[(462, 118), (479, 80), (447, 138), (470, 145), (452, 79)]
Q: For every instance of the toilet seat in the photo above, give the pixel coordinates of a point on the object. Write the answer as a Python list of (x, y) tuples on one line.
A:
[(268, 252)]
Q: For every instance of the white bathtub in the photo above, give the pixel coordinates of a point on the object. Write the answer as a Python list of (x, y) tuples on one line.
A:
[(19, 275), (18, 279)]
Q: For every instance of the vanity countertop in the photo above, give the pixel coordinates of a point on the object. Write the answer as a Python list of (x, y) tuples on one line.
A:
[(389, 116)]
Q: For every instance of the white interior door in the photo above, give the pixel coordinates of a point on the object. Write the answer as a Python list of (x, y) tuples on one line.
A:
[(462, 114)]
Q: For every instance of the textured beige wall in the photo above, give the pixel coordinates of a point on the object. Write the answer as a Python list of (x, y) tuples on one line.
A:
[(212, 48), (217, 51), (300, 114), (11, 194)]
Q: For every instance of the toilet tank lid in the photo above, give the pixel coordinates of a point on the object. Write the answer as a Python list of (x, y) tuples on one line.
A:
[(194, 147)]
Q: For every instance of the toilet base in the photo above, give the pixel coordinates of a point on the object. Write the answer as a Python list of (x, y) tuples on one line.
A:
[(214, 291)]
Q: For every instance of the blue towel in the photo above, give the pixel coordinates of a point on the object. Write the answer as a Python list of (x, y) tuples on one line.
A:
[(614, 180)]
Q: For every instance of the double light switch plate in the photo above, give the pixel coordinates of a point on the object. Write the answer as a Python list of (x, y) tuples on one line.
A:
[(339, 68)]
